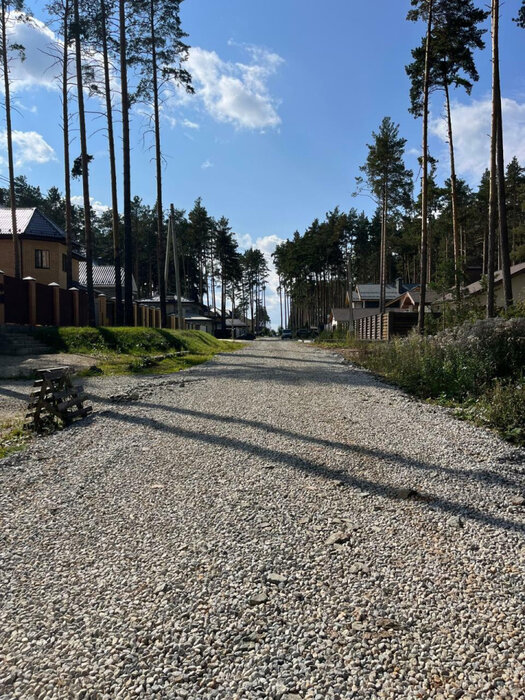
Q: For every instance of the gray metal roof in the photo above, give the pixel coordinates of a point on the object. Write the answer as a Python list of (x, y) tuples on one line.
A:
[(372, 292), (31, 223), (103, 276)]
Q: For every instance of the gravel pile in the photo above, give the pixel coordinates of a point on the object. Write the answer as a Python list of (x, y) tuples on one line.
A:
[(279, 524)]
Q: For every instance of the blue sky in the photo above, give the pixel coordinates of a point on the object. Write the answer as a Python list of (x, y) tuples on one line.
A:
[(288, 94)]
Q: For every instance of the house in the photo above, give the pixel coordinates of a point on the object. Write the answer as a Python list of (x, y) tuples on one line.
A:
[(189, 308), (477, 291), (339, 317), (367, 296), (104, 279), (239, 327), (42, 245), (410, 301), (199, 323)]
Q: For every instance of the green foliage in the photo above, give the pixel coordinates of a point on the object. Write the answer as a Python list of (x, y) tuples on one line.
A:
[(130, 341), (478, 366)]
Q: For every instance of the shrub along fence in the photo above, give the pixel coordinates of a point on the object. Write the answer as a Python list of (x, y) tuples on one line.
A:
[(28, 303)]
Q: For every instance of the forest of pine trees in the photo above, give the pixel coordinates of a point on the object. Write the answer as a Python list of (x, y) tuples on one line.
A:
[(124, 53)]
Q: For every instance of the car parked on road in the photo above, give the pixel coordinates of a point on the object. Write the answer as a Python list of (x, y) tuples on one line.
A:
[(286, 334)]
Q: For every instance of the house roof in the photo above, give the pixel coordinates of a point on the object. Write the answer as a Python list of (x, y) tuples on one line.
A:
[(415, 296), (372, 292), (170, 299), (103, 276), (31, 223), (477, 287), (341, 315), (236, 322)]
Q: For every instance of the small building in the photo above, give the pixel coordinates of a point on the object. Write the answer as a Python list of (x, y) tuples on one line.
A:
[(411, 300), (199, 323), (339, 317), (239, 327), (189, 307), (477, 290), (42, 247), (104, 279), (367, 296)]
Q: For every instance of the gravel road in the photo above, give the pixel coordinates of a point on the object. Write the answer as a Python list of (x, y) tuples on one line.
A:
[(273, 524)]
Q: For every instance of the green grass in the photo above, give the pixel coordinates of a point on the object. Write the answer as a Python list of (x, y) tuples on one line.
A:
[(13, 437), (477, 368), (135, 350)]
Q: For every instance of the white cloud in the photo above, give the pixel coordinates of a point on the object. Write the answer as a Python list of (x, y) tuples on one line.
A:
[(471, 125), (97, 206), (29, 147), (39, 67), (236, 93), (190, 125), (207, 164)]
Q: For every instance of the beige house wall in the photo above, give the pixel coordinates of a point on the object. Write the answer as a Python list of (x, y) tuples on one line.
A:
[(43, 276)]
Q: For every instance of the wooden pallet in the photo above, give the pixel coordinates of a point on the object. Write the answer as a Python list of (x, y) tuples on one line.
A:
[(54, 401)]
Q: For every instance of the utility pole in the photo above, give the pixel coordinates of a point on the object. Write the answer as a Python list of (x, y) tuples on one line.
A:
[(174, 243), (349, 285)]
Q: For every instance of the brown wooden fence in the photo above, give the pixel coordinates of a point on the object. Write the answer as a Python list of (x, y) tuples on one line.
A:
[(386, 326), (26, 302)]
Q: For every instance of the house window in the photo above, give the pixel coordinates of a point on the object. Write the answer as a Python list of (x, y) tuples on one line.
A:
[(42, 259), (64, 262)]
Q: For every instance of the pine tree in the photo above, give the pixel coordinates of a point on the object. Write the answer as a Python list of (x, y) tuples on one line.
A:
[(11, 11), (389, 181), (456, 33), (156, 51)]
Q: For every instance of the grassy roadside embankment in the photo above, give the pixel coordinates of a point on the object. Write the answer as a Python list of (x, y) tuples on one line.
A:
[(120, 351), (477, 368)]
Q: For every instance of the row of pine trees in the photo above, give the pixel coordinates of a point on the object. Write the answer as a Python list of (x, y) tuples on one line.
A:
[(124, 54), (438, 236)]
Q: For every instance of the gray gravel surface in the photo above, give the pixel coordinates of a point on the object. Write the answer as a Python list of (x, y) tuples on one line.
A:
[(278, 525)]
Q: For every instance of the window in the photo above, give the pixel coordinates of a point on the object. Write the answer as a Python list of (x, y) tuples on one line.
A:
[(64, 262), (42, 259)]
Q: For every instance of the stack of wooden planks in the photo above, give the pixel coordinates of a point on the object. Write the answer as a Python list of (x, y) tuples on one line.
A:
[(54, 401)]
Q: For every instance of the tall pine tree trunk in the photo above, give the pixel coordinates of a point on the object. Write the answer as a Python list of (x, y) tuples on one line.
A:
[(85, 170), (491, 253), (158, 168), (67, 164), (17, 251), (500, 166), (453, 198), (115, 219), (126, 165), (424, 188)]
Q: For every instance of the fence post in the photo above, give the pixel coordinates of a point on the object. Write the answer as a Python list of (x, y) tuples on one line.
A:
[(135, 314), (102, 310), (76, 306), (31, 293), (2, 298), (56, 302)]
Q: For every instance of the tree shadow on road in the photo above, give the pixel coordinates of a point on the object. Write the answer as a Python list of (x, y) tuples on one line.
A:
[(309, 466)]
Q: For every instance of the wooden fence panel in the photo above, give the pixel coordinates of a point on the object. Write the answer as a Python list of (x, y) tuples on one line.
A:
[(16, 295), (44, 305)]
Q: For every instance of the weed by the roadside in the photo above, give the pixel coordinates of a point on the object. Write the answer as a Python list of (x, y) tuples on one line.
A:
[(13, 437)]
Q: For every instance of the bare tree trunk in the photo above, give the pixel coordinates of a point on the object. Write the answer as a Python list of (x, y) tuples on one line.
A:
[(424, 189), (85, 170), (67, 165), (454, 199), (500, 166), (17, 251), (126, 165), (382, 256), (115, 219), (491, 257)]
